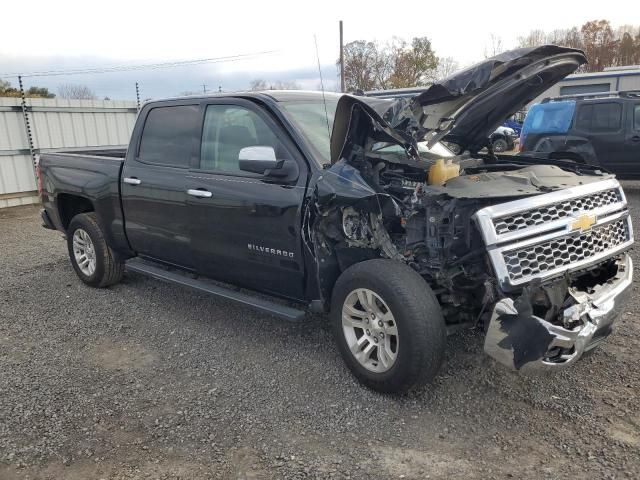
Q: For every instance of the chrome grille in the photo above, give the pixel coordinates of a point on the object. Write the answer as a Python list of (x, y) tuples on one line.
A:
[(533, 260), (549, 213), (536, 237)]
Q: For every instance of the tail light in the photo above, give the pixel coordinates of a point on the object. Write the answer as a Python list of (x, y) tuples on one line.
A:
[(38, 176)]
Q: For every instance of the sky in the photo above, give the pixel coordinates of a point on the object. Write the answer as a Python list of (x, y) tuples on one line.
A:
[(76, 34)]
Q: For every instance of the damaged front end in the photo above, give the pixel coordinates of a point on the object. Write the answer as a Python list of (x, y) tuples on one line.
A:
[(522, 340), (533, 252), (561, 263)]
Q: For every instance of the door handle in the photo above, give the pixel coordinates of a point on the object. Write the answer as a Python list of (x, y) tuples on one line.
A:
[(132, 181), (199, 193), (635, 138)]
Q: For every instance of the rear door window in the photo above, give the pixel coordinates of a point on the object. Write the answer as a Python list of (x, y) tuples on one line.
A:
[(168, 135), (599, 117)]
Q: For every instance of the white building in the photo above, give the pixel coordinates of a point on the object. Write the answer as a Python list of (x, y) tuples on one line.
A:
[(612, 79)]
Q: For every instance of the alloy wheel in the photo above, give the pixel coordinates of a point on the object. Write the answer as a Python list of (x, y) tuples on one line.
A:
[(370, 330), (84, 252)]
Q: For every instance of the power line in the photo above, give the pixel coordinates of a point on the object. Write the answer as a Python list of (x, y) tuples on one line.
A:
[(148, 66)]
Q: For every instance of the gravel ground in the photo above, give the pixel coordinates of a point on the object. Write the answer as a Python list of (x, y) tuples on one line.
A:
[(147, 380)]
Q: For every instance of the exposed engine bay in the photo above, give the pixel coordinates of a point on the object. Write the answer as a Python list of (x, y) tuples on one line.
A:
[(380, 208)]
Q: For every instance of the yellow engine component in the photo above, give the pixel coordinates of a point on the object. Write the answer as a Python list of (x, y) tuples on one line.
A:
[(441, 171)]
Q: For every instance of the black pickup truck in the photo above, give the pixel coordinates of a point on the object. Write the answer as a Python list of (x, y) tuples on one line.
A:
[(351, 205)]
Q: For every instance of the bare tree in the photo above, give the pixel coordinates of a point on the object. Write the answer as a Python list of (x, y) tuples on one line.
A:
[(494, 47), (258, 84), (262, 84), (76, 91), (446, 67), (626, 50), (573, 38), (603, 45), (285, 85), (599, 44), (535, 38)]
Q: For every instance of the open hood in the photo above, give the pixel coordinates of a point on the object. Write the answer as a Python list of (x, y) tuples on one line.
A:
[(463, 108)]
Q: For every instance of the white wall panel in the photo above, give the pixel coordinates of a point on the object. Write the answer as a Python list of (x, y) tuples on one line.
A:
[(55, 124)]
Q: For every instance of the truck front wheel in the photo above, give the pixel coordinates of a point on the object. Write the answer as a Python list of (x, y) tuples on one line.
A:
[(91, 257), (388, 325)]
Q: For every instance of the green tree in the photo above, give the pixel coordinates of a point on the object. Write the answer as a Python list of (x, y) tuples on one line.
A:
[(370, 66), (361, 59), (6, 90), (414, 65), (40, 92)]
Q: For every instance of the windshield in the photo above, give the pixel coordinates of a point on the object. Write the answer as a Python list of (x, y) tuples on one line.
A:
[(311, 120)]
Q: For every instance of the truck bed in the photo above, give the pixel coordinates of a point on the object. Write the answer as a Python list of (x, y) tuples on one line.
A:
[(91, 174)]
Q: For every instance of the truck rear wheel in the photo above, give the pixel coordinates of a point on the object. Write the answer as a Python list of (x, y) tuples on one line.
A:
[(91, 257), (388, 325)]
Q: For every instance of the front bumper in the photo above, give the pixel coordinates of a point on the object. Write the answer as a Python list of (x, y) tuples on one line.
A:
[(522, 341)]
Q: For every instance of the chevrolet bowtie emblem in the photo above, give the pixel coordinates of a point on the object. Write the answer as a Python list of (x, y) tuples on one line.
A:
[(583, 222)]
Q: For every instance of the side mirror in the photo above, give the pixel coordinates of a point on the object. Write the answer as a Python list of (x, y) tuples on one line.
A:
[(258, 159), (262, 160)]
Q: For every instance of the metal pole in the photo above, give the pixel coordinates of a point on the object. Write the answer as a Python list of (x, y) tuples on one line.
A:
[(341, 59), (138, 96), (27, 125)]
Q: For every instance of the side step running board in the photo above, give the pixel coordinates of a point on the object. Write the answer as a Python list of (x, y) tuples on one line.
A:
[(147, 268)]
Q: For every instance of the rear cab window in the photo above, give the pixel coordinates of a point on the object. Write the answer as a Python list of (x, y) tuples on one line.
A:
[(636, 117), (168, 135)]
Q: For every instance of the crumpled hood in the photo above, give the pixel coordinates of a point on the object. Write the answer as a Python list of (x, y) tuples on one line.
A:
[(463, 108)]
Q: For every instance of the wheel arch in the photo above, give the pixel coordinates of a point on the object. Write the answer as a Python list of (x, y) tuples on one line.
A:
[(69, 205)]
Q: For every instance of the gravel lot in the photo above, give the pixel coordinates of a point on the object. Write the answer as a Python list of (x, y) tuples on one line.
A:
[(147, 380)]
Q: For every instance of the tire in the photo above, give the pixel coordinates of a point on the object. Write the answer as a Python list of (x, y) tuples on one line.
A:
[(420, 329), (499, 145), (106, 269)]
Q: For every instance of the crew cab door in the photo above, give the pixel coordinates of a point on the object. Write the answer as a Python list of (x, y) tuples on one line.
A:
[(245, 227), (632, 141), (153, 183)]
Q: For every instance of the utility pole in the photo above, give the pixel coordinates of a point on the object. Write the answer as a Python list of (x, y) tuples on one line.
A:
[(341, 59)]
